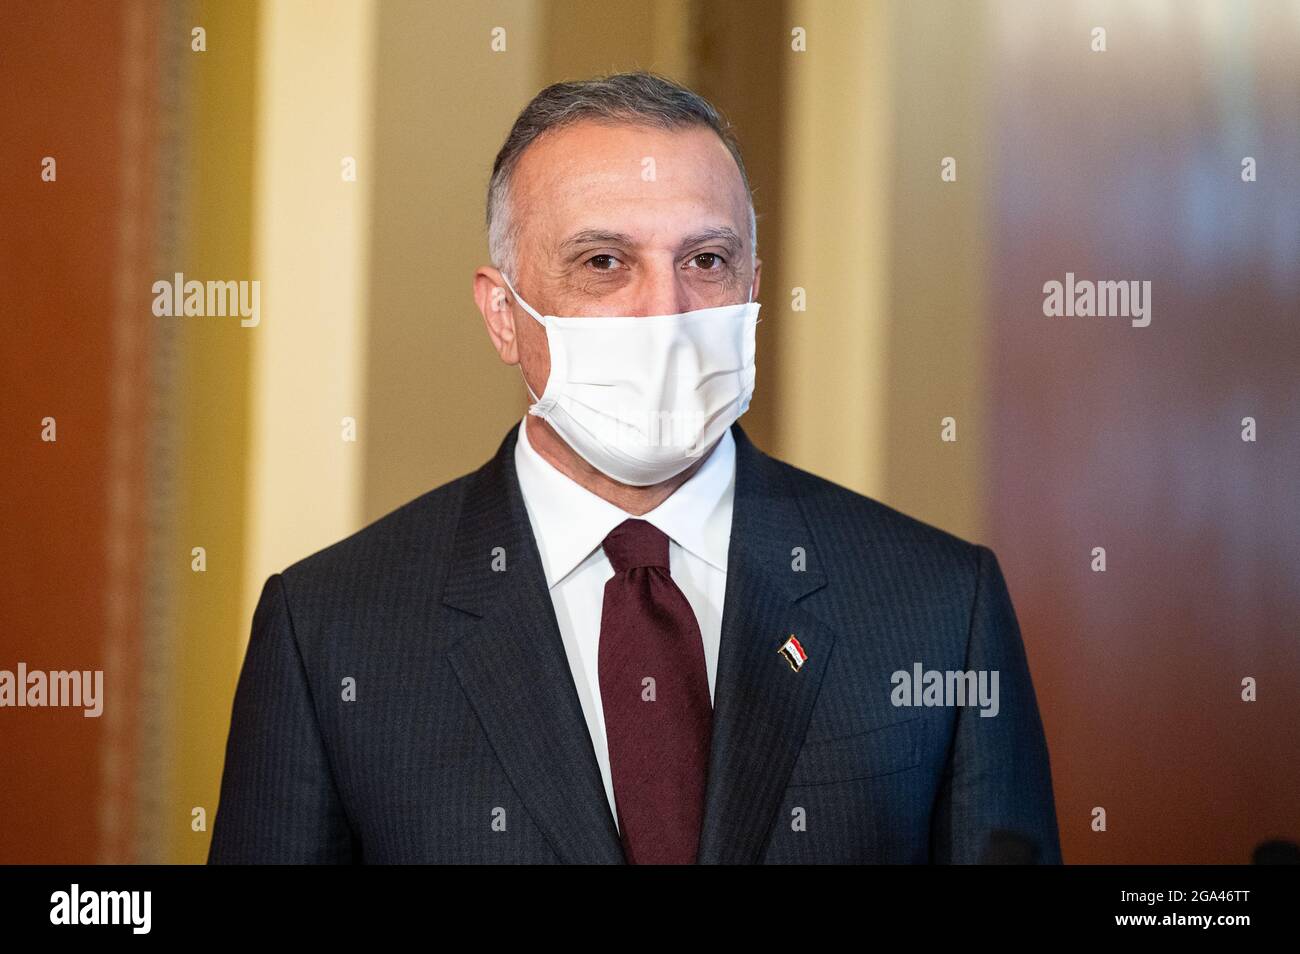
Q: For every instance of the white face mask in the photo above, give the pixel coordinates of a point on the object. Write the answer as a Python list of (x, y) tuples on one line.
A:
[(642, 398)]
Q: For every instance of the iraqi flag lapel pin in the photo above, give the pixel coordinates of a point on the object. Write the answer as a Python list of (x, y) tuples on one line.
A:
[(793, 653)]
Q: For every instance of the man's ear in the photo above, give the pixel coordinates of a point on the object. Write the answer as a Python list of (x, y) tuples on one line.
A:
[(493, 300), (758, 276)]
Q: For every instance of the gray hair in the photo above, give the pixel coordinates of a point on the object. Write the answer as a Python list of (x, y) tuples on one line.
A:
[(638, 97)]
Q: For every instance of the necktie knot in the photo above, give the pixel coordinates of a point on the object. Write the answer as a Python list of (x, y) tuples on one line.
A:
[(636, 543)]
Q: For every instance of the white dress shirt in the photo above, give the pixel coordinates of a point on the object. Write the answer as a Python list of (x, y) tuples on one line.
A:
[(570, 523)]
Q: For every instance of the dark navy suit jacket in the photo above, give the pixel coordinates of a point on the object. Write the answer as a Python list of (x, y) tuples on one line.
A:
[(403, 699)]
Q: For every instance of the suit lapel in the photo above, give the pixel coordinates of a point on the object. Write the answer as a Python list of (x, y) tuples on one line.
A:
[(762, 705), (509, 657)]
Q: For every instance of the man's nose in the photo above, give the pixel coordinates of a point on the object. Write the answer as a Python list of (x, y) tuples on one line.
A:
[(660, 292)]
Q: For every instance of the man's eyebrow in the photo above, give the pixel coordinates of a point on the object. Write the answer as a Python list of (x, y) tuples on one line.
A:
[(599, 236), (722, 234)]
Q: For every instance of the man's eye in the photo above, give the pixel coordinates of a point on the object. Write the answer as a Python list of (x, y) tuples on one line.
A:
[(711, 258), (598, 258)]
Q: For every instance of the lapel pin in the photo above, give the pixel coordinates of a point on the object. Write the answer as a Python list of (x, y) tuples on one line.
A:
[(793, 653)]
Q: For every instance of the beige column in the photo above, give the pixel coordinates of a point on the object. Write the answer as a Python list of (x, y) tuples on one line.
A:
[(310, 242), (939, 345), (831, 375)]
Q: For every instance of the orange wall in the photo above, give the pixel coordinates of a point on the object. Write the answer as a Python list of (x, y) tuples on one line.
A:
[(71, 254)]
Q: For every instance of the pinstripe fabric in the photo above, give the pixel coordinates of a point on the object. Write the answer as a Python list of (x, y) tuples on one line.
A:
[(466, 741)]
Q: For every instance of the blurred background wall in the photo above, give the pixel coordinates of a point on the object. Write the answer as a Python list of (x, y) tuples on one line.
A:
[(338, 152)]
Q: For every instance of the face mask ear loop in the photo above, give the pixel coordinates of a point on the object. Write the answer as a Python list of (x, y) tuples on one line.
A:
[(523, 304), (536, 318)]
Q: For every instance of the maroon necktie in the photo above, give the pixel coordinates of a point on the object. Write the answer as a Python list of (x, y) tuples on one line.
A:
[(654, 689)]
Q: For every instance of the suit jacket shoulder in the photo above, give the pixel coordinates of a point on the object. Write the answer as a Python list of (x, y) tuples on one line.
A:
[(856, 535)]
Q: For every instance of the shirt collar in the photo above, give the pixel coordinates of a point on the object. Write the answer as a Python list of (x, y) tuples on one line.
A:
[(570, 522)]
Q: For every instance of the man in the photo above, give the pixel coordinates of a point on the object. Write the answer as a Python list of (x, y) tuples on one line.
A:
[(631, 636)]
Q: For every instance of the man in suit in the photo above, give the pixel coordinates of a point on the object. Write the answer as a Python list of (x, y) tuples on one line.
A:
[(632, 636)]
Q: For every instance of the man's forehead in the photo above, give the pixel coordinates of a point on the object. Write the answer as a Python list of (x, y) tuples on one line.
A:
[(589, 162)]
